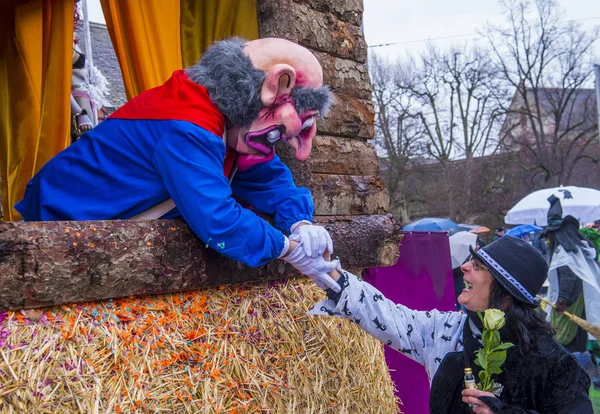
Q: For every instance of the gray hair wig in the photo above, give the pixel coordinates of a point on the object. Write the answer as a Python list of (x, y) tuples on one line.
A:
[(306, 98), (233, 83)]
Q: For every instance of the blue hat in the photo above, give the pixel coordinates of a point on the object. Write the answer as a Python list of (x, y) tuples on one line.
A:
[(518, 266)]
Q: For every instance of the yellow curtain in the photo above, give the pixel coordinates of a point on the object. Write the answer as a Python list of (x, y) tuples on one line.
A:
[(145, 35), (203, 22), (36, 47)]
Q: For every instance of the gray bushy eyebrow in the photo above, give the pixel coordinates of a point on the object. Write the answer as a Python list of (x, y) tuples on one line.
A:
[(310, 99)]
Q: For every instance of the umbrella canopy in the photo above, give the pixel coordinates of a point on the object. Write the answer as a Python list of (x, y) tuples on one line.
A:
[(479, 230), (522, 229), (462, 227), (459, 247), (581, 203), (431, 224)]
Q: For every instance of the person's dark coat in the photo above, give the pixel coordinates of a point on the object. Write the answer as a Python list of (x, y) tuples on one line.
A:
[(530, 383)]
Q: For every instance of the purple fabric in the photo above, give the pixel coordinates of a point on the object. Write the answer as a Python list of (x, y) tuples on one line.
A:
[(421, 280)]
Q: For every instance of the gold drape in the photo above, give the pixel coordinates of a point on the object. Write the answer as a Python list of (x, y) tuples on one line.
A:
[(36, 47), (203, 22), (145, 35), (153, 38)]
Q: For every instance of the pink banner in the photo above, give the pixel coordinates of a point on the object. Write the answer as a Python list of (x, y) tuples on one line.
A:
[(421, 280)]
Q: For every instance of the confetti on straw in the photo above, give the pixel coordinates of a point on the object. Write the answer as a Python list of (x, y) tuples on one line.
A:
[(231, 349)]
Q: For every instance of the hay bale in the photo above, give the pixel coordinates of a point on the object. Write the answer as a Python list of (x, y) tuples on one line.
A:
[(230, 349)]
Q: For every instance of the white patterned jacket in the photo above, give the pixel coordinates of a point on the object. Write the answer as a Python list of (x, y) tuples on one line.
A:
[(423, 336)]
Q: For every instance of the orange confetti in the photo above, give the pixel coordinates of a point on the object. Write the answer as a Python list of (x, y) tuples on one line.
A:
[(148, 244), (92, 245)]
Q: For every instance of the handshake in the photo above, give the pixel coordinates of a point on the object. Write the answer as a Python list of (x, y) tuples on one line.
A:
[(308, 244)]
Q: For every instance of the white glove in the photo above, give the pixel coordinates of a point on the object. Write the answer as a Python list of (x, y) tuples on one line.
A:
[(316, 269), (315, 239)]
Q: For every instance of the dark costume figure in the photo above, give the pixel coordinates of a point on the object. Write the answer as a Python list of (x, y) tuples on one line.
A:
[(573, 281), (498, 233)]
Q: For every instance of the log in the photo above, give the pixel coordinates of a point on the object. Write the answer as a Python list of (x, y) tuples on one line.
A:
[(345, 76), (350, 11), (349, 117), (52, 263), (349, 194), (339, 194), (316, 30), (335, 155)]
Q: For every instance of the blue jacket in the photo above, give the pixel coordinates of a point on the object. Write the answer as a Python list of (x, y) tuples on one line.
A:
[(124, 167)]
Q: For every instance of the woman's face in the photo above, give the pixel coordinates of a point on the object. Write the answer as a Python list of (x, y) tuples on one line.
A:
[(478, 281)]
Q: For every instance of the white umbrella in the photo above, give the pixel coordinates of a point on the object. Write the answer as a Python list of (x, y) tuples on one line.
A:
[(459, 247), (581, 203)]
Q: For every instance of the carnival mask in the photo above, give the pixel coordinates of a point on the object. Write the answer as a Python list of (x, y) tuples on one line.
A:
[(292, 96)]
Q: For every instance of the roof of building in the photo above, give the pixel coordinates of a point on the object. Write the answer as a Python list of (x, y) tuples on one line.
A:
[(576, 108)]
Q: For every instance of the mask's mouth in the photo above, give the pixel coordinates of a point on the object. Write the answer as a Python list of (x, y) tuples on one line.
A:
[(264, 141), (468, 287)]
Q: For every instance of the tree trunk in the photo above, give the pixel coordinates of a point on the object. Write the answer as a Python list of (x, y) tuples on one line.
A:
[(1, 212), (51, 263)]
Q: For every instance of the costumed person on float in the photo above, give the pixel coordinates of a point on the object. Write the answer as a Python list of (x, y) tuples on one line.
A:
[(188, 147), (574, 284), (89, 87), (81, 104)]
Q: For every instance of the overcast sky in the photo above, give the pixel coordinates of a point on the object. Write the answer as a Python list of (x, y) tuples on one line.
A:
[(409, 22)]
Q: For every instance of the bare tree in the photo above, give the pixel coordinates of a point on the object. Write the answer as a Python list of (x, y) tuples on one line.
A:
[(397, 131), (459, 97), (551, 123), (436, 108)]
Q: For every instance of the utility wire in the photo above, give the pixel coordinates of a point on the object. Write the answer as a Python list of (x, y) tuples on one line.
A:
[(461, 35)]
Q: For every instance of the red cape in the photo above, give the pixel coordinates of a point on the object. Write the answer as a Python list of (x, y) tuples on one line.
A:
[(179, 99)]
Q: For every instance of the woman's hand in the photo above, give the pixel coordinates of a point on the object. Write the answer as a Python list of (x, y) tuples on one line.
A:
[(470, 396)]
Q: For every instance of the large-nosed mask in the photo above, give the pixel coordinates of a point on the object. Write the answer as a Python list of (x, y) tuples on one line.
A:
[(269, 90), (292, 97)]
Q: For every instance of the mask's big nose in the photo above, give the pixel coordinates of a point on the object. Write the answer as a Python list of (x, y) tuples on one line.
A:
[(294, 135), (290, 120)]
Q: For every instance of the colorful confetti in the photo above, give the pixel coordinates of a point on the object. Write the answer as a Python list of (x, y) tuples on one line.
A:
[(231, 349)]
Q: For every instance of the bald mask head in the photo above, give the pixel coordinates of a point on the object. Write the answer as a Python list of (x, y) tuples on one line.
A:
[(269, 90)]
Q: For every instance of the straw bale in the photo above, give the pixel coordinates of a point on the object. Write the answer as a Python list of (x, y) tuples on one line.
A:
[(231, 349)]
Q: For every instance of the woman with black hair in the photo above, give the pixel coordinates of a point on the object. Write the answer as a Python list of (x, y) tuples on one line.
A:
[(539, 375)]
